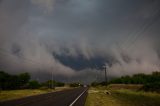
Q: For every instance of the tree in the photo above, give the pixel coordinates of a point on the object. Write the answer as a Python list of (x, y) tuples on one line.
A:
[(24, 78), (60, 84), (33, 84), (8, 81), (4, 78), (50, 84)]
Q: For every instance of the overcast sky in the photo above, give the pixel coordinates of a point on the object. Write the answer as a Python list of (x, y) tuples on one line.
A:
[(75, 38)]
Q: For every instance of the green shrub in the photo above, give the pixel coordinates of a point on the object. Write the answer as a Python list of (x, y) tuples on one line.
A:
[(75, 85), (33, 84), (152, 87)]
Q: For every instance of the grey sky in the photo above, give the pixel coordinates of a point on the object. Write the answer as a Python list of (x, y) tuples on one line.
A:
[(39, 34)]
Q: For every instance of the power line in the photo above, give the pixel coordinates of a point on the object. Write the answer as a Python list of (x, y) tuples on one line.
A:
[(133, 36), (139, 34)]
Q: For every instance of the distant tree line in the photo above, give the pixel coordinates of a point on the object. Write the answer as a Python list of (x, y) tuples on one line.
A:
[(8, 81), (52, 84), (75, 84), (94, 84), (23, 81), (150, 82), (138, 79)]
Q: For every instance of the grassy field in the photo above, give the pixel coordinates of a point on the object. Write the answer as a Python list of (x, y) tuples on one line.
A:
[(121, 97), (15, 94)]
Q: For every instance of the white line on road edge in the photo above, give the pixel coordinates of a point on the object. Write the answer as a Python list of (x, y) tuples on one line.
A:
[(77, 98)]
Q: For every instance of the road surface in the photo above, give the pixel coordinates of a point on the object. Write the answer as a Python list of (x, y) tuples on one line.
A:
[(74, 97)]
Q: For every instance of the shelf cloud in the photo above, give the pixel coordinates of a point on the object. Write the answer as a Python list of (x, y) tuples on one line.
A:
[(75, 38)]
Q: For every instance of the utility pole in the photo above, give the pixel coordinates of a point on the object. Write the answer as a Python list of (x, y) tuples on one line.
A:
[(105, 69), (52, 82)]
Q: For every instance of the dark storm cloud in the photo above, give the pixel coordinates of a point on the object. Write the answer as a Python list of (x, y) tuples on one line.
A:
[(64, 36)]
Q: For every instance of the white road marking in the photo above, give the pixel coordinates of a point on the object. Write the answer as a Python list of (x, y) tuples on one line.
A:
[(77, 98)]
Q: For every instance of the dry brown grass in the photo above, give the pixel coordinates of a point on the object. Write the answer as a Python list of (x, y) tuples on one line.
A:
[(121, 97), (125, 86), (15, 94)]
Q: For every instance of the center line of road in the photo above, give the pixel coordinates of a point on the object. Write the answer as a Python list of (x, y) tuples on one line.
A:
[(77, 98)]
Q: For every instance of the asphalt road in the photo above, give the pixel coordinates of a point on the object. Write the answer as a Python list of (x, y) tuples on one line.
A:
[(74, 97)]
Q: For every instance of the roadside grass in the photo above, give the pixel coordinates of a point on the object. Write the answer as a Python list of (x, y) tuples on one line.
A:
[(15, 94), (125, 86), (121, 97), (137, 98), (96, 97)]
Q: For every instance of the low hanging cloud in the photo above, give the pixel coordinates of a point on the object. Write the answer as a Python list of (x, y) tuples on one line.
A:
[(142, 58), (47, 5), (75, 38)]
